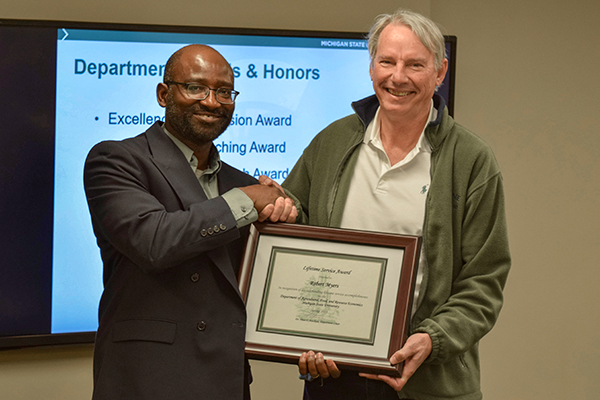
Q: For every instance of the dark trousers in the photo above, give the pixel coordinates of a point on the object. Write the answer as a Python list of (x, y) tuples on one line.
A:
[(349, 386), (247, 381)]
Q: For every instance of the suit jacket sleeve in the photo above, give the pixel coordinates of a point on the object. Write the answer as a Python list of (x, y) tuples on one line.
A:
[(143, 209)]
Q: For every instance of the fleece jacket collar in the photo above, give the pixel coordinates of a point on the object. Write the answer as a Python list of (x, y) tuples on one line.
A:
[(366, 109)]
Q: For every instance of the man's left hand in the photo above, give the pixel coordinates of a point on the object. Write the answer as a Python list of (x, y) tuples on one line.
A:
[(416, 350)]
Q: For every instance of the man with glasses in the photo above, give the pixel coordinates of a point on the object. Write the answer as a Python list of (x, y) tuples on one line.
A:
[(171, 220)]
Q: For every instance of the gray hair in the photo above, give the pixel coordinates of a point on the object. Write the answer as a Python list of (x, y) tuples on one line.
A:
[(426, 30)]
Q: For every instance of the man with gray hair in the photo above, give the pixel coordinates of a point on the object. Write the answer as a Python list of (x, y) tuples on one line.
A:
[(401, 164)]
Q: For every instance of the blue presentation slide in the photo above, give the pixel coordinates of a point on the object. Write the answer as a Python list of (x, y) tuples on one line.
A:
[(290, 89)]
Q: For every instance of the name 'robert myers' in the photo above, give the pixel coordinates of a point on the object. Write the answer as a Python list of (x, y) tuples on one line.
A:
[(324, 284), (261, 120), (328, 270)]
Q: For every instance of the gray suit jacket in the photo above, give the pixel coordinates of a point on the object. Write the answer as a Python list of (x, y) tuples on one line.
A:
[(172, 322)]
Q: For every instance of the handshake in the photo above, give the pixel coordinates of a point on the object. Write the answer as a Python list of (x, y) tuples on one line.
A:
[(270, 201)]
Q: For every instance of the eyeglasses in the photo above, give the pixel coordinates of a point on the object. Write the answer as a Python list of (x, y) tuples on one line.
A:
[(200, 92)]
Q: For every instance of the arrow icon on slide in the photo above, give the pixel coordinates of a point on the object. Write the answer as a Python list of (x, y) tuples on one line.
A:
[(66, 34)]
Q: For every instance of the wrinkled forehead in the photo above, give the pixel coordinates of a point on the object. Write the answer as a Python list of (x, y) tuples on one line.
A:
[(402, 37)]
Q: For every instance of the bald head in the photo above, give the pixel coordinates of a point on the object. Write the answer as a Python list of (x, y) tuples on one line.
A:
[(197, 54)]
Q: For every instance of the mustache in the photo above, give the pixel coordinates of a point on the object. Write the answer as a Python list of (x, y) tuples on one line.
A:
[(199, 108)]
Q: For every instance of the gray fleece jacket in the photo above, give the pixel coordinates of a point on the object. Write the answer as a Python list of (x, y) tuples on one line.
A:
[(464, 234)]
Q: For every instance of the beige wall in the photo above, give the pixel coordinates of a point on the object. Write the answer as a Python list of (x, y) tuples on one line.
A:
[(525, 85), (273, 14)]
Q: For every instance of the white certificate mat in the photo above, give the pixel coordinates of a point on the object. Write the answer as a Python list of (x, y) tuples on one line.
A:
[(322, 294), (342, 292)]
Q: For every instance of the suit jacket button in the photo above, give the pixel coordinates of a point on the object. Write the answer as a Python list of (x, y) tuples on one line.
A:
[(216, 228), (223, 227), (210, 231), (203, 232), (195, 277), (201, 325)]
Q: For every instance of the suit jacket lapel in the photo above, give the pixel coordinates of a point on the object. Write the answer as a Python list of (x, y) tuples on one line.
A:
[(170, 161), (174, 167)]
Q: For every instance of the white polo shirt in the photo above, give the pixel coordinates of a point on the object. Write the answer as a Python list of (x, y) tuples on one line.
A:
[(390, 198)]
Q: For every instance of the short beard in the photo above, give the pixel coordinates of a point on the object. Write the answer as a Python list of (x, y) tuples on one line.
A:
[(189, 129)]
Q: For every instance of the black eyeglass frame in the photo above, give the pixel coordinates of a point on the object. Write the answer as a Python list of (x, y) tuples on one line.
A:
[(229, 93)]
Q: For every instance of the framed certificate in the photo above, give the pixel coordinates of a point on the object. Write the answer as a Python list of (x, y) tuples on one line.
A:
[(345, 293)]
